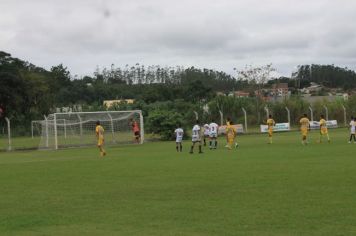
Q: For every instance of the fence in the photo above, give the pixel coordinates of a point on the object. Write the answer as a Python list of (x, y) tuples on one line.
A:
[(5, 137), (244, 116)]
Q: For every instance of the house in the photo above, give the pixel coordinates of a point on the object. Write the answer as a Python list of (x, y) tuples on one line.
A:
[(280, 90), (110, 103), (241, 94), (313, 88), (220, 94)]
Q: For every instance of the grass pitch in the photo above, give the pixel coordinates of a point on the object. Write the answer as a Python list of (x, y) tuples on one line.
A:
[(258, 189)]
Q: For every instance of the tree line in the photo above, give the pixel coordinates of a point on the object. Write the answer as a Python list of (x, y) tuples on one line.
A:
[(27, 92)]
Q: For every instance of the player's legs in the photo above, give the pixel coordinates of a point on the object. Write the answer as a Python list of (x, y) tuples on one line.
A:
[(270, 134), (101, 147), (137, 137), (304, 139), (324, 133), (177, 146), (352, 136), (102, 150), (192, 147), (304, 136), (180, 147), (230, 143), (210, 142)]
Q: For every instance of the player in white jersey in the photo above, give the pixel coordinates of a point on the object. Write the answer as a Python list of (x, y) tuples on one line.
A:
[(352, 129), (206, 133), (213, 134), (196, 137), (179, 137)]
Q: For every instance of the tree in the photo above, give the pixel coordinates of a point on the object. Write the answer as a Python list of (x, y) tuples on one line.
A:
[(257, 76), (163, 123)]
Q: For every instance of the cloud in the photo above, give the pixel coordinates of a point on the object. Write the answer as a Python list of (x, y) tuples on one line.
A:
[(216, 34)]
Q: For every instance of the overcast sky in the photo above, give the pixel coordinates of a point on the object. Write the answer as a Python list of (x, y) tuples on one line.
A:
[(216, 34)]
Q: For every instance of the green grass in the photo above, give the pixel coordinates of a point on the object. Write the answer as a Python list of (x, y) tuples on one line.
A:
[(259, 189)]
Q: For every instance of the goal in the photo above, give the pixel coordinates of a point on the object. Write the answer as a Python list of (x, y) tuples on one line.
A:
[(77, 129)]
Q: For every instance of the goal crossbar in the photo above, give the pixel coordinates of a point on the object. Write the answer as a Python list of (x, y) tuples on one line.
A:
[(79, 127)]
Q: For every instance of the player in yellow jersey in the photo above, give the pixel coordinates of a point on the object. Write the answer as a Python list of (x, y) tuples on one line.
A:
[(323, 129), (270, 123), (99, 131), (304, 128), (230, 135), (228, 120)]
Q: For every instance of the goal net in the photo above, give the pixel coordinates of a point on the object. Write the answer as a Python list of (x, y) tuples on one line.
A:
[(76, 129)]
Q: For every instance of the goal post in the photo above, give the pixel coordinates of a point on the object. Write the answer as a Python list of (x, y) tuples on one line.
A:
[(76, 129)]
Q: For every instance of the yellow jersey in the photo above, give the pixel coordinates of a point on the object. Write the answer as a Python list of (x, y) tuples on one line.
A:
[(99, 130), (322, 123), (304, 123), (270, 123), (323, 127), (230, 131)]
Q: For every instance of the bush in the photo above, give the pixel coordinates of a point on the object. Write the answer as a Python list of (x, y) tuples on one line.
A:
[(163, 123)]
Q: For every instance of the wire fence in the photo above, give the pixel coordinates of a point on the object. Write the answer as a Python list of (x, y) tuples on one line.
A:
[(338, 116)]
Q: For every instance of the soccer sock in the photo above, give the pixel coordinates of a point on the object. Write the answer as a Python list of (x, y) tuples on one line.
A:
[(180, 147), (216, 143), (200, 149), (210, 143), (191, 149), (204, 142), (177, 147)]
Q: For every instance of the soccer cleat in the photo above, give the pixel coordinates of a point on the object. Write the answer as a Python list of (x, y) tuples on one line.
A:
[(349, 141), (236, 145)]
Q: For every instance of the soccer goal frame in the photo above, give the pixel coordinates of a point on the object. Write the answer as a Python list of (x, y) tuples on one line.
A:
[(56, 125)]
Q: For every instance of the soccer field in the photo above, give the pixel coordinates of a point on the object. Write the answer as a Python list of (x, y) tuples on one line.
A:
[(258, 189)]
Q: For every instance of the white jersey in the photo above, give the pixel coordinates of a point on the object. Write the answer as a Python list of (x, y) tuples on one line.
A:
[(213, 127), (179, 134), (352, 128), (206, 129), (196, 133)]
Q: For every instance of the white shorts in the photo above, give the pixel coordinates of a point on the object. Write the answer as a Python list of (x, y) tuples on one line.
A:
[(206, 134), (195, 139), (213, 135), (179, 139)]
